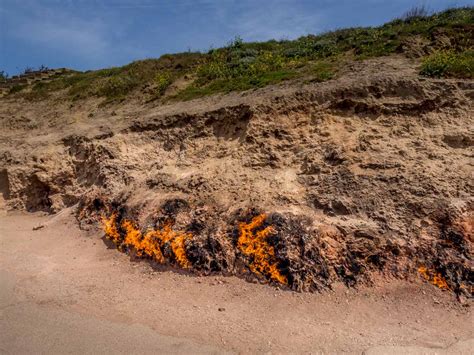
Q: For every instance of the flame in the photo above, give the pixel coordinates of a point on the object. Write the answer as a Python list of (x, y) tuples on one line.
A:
[(110, 227), (434, 277), (255, 245), (150, 243), (177, 245), (142, 244)]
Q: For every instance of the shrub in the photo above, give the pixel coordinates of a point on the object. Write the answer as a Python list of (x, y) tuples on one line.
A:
[(237, 63), (116, 86), (322, 71), (16, 88), (3, 76), (416, 12), (163, 81), (449, 64), (237, 42), (28, 70)]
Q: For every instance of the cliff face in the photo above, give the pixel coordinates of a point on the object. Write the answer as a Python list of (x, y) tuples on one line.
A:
[(302, 185)]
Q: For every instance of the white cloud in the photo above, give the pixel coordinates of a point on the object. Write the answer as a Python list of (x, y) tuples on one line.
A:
[(74, 36), (284, 19), (263, 20), (59, 28)]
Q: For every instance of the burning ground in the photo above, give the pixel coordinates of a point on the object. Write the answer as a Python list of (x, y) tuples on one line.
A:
[(301, 186), (280, 249)]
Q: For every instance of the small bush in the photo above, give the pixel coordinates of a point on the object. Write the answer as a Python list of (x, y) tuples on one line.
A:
[(38, 92), (163, 81), (235, 84), (16, 88), (237, 63), (3, 76), (116, 86), (417, 12), (28, 70), (322, 71), (449, 64)]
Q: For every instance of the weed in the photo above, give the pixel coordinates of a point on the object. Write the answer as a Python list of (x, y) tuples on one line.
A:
[(415, 13), (449, 64), (322, 71), (3, 76), (16, 88), (163, 81)]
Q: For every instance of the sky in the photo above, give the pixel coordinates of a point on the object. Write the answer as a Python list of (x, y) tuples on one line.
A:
[(93, 34)]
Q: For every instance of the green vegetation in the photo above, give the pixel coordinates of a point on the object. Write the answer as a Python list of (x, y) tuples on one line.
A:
[(242, 66), (16, 88), (3, 76), (114, 84), (163, 81), (449, 64)]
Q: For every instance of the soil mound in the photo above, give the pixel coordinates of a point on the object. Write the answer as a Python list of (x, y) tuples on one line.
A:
[(298, 185)]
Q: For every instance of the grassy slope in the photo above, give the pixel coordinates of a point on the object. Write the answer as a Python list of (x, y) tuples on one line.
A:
[(241, 66)]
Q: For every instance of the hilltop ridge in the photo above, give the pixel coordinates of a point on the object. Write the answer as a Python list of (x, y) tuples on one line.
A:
[(442, 42)]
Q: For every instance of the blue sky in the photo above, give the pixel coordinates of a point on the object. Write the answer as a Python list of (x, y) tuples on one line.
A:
[(92, 34)]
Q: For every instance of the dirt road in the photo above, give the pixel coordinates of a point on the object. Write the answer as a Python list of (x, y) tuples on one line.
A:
[(62, 290)]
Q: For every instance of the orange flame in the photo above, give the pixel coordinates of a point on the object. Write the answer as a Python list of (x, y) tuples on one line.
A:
[(110, 228), (434, 277), (151, 242), (255, 245), (177, 245)]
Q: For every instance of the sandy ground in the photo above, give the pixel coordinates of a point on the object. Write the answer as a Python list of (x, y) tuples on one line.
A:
[(62, 290)]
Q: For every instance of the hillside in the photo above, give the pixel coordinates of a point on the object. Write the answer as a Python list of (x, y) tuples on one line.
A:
[(336, 158), (443, 42)]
